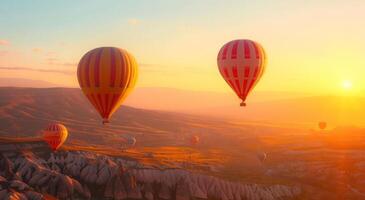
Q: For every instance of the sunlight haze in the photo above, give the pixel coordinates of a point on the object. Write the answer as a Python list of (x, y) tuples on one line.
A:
[(308, 44)]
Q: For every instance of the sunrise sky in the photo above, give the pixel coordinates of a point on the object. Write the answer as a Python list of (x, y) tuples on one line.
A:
[(314, 47)]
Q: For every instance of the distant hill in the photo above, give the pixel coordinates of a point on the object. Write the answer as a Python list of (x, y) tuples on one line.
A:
[(336, 110), (27, 111), (170, 99), (20, 82), (317, 161), (270, 107)]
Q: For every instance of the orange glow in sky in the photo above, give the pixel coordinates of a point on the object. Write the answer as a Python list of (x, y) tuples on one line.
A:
[(311, 46)]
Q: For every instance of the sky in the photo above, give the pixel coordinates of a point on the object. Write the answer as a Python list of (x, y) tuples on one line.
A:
[(313, 46)]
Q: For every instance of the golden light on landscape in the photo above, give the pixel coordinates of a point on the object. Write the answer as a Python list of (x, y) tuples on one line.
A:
[(182, 99)]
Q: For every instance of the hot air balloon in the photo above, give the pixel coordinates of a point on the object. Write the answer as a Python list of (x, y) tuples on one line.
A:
[(322, 125), (106, 76), (55, 135), (241, 63), (131, 141), (194, 140), (262, 156)]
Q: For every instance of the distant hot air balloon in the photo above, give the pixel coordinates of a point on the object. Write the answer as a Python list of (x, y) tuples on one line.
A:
[(322, 125), (131, 141), (262, 156), (106, 76), (194, 140), (241, 63), (55, 135)]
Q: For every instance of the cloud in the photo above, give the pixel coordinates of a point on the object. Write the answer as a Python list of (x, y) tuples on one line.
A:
[(4, 42), (55, 61), (68, 64), (66, 72), (133, 21), (147, 67), (51, 60)]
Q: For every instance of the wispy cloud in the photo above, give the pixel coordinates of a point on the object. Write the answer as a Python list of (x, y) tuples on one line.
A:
[(55, 61), (145, 66), (66, 72), (68, 64), (4, 42), (51, 61)]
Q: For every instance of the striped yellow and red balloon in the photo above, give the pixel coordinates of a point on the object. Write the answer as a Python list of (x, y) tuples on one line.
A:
[(241, 63), (106, 76), (55, 135)]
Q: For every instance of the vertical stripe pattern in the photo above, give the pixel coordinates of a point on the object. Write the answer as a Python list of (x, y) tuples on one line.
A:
[(55, 135), (106, 75), (241, 63)]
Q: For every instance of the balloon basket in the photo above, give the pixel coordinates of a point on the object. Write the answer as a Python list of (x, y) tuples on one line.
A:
[(105, 121)]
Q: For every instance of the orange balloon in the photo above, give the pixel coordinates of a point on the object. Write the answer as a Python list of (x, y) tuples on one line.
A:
[(322, 125), (241, 63), (106, 76), (55, 135)]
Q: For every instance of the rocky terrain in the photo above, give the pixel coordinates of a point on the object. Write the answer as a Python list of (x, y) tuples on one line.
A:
[(84, 175)]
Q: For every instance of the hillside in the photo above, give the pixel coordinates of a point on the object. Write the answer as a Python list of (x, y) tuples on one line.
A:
[(26, 111), (322, 164), (263, 106), (306, 111), (23, 82), (273, 107)]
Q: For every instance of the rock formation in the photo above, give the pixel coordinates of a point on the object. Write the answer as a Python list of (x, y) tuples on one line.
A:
[(85, 175)]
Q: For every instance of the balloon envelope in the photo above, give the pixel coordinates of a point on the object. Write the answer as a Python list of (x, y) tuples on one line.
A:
[(262, 156), (322, 125), (106, 76), (241, 63), (55, 135), (194, 140), (130, 140)]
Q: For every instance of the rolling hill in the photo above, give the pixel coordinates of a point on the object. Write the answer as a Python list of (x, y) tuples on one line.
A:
[(22, 82), (320, 162), (26, 111), (271, 107)]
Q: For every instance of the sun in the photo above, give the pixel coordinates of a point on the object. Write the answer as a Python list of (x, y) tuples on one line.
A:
[(346, 84)]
